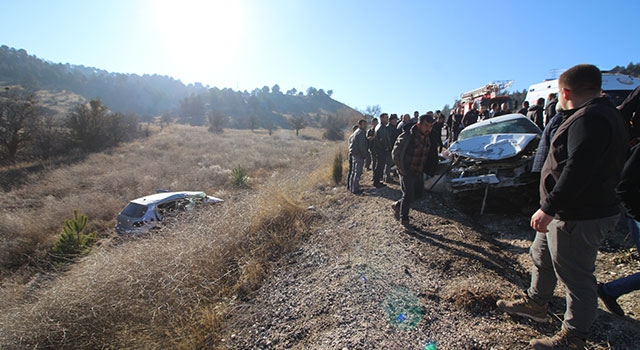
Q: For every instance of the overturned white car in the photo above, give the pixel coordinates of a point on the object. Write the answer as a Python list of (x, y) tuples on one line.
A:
[(146, 213), (497, 151)]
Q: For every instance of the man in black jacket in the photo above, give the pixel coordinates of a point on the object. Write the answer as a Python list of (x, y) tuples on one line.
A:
[(550, 109), (372, 159), (382, 145), (536, 113), (578, 207), (630, 110), (629, 192)]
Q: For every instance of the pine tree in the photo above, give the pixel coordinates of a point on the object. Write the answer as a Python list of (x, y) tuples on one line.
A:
[(73, 241)]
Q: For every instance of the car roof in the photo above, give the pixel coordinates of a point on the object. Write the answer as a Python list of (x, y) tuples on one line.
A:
[(167, 196), (495, 120)]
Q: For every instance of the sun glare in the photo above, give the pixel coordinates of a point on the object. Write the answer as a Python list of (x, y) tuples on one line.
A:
[(201, 38)]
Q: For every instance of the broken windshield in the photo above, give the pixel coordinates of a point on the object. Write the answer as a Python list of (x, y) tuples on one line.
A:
[(514, 126)]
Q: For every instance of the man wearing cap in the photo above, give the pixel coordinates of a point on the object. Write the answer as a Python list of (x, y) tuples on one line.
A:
[(578, 207), (410, 153)]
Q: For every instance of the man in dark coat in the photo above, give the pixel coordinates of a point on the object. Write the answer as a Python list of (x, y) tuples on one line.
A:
[(578, 207), (525, 108), (383, 146), (550, 109), (630, 111), (470, 117), (536, 113)]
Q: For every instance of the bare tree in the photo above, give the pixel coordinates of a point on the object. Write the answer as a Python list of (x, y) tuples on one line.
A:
[(373, 111), (298, 122), (49, 135), (18, 111)]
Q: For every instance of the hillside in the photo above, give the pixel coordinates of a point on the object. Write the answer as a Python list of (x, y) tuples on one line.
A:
[(149, 96), (293, 261)]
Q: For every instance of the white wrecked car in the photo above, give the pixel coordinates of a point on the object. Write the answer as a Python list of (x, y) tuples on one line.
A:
[(146, 213), (497, 151)]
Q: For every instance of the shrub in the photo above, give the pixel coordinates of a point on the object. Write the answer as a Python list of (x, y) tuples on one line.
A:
[(239, 177), (73, 241), (337, 168), (334, 128)]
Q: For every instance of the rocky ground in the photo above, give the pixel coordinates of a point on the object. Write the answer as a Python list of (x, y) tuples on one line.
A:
[(362, 281)]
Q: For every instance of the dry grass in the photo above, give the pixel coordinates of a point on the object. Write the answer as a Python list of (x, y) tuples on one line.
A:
[(173, 287)]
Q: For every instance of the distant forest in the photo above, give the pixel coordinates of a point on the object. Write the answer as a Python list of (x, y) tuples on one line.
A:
[(630, 69), (151, 96)]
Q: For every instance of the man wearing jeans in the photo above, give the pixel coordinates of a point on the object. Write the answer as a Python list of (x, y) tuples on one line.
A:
[(629, 185), (629, 192), (578, 207)]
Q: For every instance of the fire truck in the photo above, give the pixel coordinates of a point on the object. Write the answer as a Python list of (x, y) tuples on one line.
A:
[(494, 91)]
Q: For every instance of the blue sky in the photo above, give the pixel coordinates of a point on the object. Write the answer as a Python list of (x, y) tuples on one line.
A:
[(400, 55)]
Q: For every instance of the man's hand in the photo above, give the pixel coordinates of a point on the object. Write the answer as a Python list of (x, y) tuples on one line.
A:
[(540, 220)]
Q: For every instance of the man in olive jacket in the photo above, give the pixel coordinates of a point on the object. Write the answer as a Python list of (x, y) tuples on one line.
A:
[(410, 154), (578, 207)]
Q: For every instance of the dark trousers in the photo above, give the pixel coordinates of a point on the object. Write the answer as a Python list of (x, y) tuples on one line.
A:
[(412, 184), (381, 157), (373, 156)]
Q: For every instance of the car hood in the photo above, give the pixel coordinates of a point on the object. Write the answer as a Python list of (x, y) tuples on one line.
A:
[(493, 146)]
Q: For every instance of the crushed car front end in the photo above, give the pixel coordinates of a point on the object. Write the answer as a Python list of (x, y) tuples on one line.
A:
[(491, 155)]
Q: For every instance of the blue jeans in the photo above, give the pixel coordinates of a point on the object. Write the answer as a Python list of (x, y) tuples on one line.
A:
[(622, 285), (634, 229)]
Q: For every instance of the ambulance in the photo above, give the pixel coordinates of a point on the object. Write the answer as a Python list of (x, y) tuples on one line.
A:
[(616, 86)]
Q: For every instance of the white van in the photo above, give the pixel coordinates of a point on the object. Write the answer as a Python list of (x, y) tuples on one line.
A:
[(616, 86)]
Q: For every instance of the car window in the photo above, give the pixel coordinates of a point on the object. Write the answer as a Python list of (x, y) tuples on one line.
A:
[(176, 205), (134, 210), (514, 126)]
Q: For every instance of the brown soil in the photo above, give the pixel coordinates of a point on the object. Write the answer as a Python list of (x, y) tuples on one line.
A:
[(362, 281)]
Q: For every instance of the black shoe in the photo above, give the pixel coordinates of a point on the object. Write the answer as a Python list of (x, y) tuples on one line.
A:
[(358, 192), (396, 210), (378, 185), (609, 301)]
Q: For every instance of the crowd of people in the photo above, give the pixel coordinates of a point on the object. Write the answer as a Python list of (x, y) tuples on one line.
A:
[(589, 163)]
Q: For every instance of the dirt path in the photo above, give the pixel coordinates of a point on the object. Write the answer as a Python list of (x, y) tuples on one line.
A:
[(362, 281)]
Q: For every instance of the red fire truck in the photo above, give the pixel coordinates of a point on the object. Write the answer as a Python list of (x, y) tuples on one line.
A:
[(486, 95)]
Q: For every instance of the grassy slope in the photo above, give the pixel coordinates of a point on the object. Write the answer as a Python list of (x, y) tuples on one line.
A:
[(168, 287)]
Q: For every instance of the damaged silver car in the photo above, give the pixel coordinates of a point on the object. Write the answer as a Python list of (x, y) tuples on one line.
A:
[(147, 213), (498, 152)]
